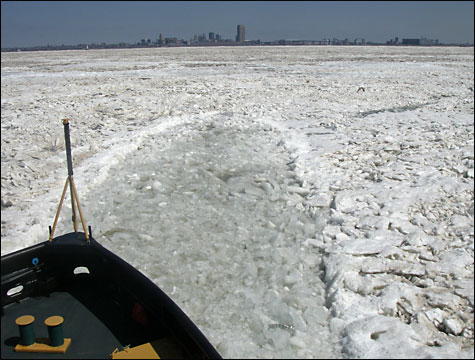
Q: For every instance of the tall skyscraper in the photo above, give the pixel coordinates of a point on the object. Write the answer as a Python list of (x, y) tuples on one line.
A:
[(240, 33)]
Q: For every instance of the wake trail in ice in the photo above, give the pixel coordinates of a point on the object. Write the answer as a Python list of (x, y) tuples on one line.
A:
[(212, 212)]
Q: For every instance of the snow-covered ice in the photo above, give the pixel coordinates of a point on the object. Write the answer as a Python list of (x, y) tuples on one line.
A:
[(288, 212)]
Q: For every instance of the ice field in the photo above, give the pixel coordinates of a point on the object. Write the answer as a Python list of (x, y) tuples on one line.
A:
[(295, 202)]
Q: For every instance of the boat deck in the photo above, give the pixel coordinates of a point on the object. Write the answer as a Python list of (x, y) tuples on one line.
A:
[(105, 302), (95, 322)]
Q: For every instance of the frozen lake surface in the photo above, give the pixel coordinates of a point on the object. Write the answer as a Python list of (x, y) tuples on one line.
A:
[(288, 212)]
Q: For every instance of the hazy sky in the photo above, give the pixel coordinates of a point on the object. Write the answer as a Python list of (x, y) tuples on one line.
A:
[(34, 23)]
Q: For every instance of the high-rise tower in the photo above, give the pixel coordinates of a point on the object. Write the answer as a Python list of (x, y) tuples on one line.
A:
[(240, 33)]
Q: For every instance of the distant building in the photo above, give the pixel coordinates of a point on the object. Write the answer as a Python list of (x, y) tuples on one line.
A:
[(360, 41), (410, 41), (169, 41), (421, 41), (211, 36), (394, 41), (240, 37)]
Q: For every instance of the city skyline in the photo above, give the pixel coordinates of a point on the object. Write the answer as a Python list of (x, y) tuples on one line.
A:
[(26, 24)]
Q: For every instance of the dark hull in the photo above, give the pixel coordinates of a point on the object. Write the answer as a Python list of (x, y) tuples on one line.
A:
[(113, 306)]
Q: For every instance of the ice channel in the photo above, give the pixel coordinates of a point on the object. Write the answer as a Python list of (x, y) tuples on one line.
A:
[(211, 212)]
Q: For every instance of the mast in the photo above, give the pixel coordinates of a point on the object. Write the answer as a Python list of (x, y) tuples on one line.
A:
[(70, 171), (73, 191)]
